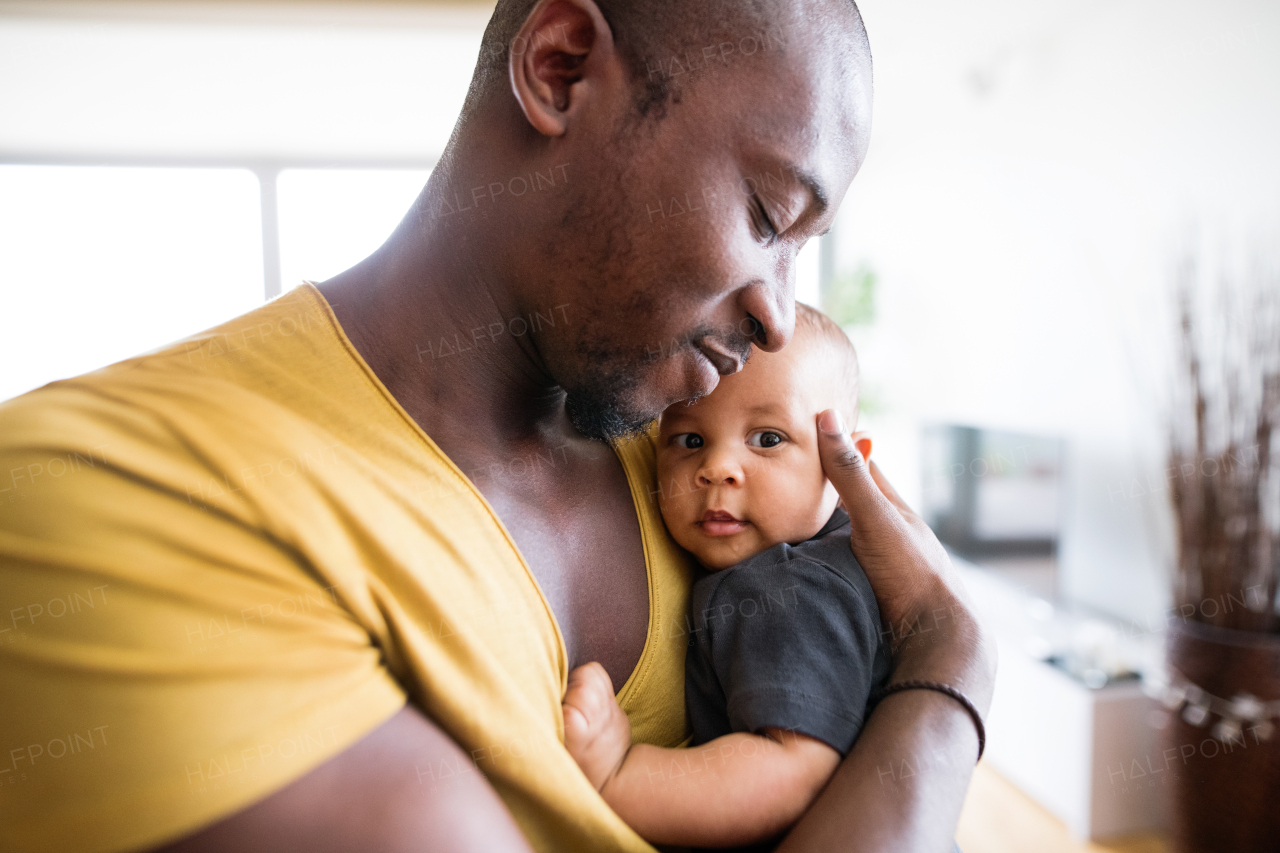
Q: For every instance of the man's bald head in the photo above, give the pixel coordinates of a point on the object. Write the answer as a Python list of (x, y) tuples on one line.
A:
[(663, 41), (674, 240)]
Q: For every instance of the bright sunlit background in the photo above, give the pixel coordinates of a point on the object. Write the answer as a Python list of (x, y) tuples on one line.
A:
[(99, 264), (331, 218), (302, 132), (1036, 171)]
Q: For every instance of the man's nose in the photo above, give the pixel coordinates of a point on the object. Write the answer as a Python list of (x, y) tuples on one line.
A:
[(770, 308)]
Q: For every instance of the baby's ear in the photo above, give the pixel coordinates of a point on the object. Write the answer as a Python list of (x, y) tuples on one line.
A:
[(862, 441)]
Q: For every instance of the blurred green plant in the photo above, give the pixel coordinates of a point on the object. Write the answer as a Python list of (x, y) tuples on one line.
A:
[(850, 299)]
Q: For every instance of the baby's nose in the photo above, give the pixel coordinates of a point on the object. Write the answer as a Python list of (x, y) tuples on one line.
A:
[(719, 475)]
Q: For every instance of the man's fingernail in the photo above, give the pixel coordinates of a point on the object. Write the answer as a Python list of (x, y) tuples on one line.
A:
[(831, 422)]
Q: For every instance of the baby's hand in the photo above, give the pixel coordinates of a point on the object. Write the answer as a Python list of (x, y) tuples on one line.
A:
[(596, 732)]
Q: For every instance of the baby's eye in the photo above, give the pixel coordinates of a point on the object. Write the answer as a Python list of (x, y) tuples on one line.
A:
[(764, 439), (687, 440)]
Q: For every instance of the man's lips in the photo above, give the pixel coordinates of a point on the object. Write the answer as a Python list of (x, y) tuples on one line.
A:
[(724, 361), (720, 523), (705, 377)]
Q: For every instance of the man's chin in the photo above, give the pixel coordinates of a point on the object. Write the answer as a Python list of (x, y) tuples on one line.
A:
[(629, 400), (607, 417)]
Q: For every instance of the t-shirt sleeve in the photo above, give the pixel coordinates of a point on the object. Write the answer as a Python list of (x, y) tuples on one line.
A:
[(793, 646), (164, 663)]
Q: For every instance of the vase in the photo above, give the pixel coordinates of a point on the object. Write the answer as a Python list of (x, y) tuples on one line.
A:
[(1225, 795)]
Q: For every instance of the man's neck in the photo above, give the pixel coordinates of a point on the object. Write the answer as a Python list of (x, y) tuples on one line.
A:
[(449, 341)]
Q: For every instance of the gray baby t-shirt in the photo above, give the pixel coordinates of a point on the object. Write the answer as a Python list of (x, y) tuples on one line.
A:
[(791, 638)]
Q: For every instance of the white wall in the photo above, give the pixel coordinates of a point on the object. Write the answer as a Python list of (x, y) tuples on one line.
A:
[(1034, 169), (369, 81)]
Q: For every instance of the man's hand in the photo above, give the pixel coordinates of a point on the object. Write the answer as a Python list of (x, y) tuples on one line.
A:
[(901, 556), (918, 590), (869, 805), (596, 731)]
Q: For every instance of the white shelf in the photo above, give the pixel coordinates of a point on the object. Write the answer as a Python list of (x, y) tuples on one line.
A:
[(1089, 756)]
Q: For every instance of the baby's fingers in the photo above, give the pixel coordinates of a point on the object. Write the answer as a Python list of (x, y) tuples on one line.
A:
[(596, 731), (577, 729), (590, 689), (588, 705)]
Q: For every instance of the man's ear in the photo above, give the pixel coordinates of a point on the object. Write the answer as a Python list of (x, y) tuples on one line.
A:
[(564, 50)]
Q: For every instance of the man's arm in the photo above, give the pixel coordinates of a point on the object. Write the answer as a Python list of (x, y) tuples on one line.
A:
[(371, 798), (738, 789), (901, 787), (903, 783)]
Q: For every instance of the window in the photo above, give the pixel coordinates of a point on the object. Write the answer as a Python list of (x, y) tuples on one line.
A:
[(170, 165), (332, 218), (99, 264), (164, 160)]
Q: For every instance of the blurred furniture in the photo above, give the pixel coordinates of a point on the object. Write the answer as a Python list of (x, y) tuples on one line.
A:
[(991, 493), (1069, 724)]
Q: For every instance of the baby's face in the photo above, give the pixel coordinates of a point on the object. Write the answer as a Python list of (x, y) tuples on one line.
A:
[(739, 471)]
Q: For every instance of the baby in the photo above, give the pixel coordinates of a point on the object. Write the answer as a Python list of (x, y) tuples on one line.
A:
[(786, 643)]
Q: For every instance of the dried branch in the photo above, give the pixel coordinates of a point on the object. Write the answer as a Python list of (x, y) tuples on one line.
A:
[(1223, 441)]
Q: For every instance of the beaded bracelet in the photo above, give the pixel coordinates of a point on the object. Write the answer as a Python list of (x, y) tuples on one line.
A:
[(949, 691)]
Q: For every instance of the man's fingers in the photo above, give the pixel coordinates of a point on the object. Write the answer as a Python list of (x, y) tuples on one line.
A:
[(887, 489), (849, 472), (900, 555)]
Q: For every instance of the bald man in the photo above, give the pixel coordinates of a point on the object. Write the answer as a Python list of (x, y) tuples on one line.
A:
[(350, 544)]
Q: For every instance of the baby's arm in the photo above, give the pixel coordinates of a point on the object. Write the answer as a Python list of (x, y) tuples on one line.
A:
[(737, 789)]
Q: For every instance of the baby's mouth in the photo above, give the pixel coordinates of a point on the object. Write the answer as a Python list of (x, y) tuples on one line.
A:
[(717, 522)]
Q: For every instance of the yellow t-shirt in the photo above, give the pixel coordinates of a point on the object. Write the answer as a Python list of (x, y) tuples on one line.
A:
[(226, 561)]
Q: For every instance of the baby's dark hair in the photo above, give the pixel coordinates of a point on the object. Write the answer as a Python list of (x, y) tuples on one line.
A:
[(835, 351)]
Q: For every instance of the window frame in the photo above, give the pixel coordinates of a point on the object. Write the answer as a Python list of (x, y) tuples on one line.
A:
[(266, 170)]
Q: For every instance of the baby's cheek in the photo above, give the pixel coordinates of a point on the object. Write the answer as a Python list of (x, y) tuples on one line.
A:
[(801, 508), (677, 476), (678, 497)]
